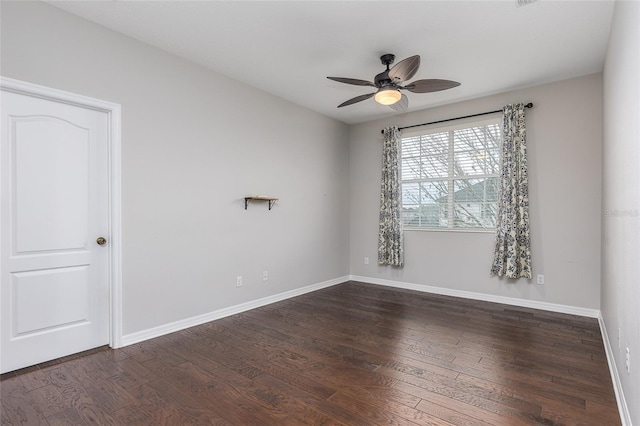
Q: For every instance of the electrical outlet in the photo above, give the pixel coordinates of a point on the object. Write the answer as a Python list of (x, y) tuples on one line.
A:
[(540, 279), (366, 260), (238, 281), (627, 361), (265, 275)]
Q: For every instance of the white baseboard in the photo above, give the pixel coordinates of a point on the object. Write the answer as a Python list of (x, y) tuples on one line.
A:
[(545, 306), (625, 416), (151, 333)]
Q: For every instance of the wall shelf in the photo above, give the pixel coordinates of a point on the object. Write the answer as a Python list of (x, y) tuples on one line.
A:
[(270, 200)]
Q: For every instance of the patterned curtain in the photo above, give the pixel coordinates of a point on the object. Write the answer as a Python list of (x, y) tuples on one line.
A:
[(512, 255), (390, 236)]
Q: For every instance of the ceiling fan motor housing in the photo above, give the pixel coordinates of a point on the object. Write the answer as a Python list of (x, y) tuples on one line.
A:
[(383, 79)]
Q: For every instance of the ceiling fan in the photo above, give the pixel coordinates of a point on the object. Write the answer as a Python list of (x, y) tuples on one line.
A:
[(389, 83)]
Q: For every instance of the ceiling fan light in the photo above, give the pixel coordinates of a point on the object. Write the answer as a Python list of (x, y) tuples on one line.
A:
[(388, 96)]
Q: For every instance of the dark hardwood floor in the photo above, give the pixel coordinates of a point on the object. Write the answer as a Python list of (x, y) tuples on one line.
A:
[(352, 354)]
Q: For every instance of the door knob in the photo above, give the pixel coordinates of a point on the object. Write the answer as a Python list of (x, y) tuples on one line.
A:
[(101, 241)]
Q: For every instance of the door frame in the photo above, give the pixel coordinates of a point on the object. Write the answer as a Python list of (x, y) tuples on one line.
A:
[(114, 247)]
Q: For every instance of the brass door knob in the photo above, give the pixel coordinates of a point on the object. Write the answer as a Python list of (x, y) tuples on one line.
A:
[(101, 241)]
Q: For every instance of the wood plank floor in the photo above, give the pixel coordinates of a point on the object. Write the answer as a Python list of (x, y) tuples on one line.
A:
[(352, 354)]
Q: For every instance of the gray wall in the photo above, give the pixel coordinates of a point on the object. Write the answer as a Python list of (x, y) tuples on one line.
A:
[(621, 197), (194, 143), (564, 133)]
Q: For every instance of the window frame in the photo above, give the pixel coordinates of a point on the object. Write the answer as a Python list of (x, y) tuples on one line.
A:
[(450, 178)]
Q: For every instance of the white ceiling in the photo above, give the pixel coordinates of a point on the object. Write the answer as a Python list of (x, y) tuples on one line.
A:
[(288, 48)]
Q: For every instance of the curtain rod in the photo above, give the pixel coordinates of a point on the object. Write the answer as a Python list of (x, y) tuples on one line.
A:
[(529, 105)]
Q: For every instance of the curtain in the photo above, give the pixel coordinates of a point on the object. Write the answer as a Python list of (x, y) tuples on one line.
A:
[(512, 255), (390, 236)]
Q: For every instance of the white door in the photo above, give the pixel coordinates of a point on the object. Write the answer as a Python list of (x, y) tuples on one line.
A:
[(54, 183)]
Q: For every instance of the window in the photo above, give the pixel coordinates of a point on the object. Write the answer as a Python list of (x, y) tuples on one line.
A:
[(450, 177)]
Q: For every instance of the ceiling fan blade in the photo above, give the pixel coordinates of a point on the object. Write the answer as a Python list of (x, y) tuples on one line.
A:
[(430, 85), (405, 69), (402, 105), (356, 99), (352, 81)]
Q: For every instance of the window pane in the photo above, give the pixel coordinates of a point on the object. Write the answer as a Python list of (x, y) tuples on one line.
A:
[(425, 157), (475, 203), (476, 151), (435, 155), (410, 193), (410, 168), (425, 193), (425, 204), (434, 167), (410, 214), (435, 144), (434, 192), (435, 152), (410, 147), (428, 215)]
